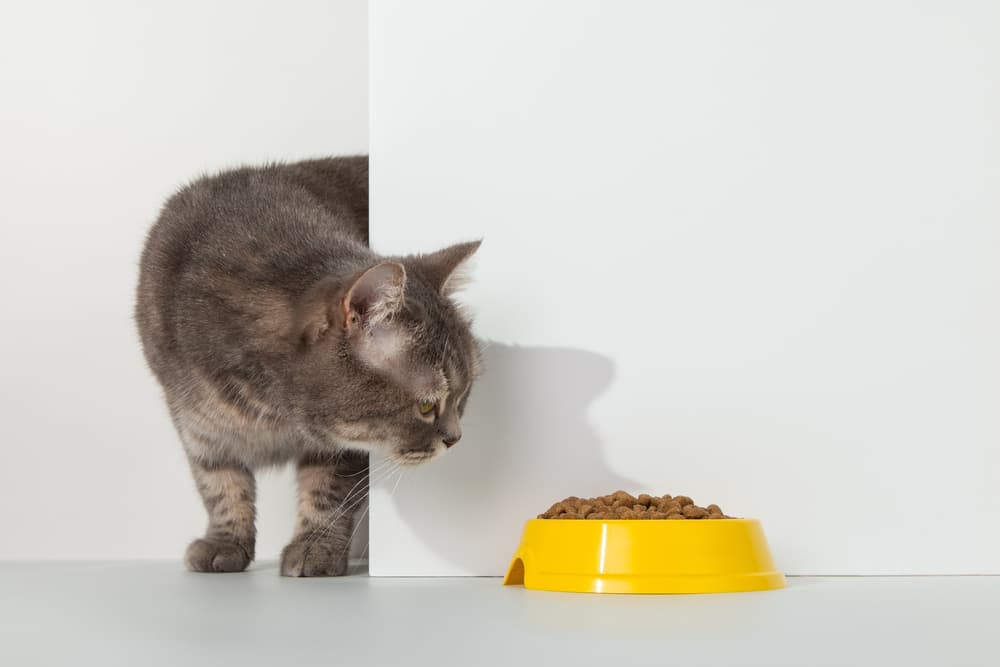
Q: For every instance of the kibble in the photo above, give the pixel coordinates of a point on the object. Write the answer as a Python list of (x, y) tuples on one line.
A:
[(622, 505)]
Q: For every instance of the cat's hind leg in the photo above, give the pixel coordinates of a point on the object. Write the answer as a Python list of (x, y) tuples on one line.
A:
[(330, 492), (228, 492)]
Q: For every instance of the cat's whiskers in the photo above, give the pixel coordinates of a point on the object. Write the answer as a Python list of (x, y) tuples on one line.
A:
[(396, 485), (347, 544), (347, 498), (367, 471), (349, 504), (400, 471), (399, 478), (355, 504), (353, 474), (331, 523)]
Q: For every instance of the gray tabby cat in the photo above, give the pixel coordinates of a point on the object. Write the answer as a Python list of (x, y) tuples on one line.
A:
[(278, 335)]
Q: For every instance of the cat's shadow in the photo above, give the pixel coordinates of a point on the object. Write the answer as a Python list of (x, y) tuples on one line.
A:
[(526, 443)]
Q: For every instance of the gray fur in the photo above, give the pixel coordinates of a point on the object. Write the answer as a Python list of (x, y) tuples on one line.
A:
[(279, 336)]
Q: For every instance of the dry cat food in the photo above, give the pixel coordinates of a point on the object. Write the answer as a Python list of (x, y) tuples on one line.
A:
[(621, 505)]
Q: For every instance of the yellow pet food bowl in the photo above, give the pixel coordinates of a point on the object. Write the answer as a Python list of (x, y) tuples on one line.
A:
[(644, 556)]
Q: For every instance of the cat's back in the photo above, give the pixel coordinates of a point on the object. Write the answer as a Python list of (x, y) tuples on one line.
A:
[(295, 207), (229, 253)]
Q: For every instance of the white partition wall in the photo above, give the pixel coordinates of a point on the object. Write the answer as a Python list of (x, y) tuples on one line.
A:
[(745, 251)]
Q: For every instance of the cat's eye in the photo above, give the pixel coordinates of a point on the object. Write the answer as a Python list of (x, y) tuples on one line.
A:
[(426, 407)]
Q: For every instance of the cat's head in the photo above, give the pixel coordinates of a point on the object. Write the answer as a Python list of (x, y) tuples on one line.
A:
[(391, 357)]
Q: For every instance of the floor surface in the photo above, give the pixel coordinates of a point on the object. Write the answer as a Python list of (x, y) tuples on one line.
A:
[(154, 613)]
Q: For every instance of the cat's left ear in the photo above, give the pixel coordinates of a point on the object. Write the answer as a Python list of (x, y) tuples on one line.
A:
[(445, 268), (374, 296), (366, 301)]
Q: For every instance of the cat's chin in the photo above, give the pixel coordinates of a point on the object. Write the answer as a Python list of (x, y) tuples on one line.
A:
[(407, 457), (366, 446), (412, 457)]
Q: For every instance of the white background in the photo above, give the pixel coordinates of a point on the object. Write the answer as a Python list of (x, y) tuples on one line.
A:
[(742, 251), (745, 253), (105, 108)]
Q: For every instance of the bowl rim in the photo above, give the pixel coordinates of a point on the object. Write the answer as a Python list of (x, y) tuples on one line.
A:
[(643, 521)]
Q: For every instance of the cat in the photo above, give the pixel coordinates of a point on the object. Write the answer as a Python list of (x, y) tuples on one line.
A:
[(279, 336)]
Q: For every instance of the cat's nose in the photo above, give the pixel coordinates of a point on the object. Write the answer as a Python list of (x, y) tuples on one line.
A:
[(450, 439)]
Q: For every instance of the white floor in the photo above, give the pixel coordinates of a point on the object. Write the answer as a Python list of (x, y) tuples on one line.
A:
[(154, 613)]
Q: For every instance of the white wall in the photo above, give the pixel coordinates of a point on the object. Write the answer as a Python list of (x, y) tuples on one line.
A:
[(743, 251), (106, 107)]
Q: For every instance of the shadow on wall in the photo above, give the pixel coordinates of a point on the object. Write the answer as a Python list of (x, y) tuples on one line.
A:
[(526, 443)]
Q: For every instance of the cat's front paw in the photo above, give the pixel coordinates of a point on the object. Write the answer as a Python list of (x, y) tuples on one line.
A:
[(313, 559), (216, 556)]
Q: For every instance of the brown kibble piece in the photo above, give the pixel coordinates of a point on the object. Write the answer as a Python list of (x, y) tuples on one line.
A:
[(683, 501), (694, 512), (645, 499), (674, 515)]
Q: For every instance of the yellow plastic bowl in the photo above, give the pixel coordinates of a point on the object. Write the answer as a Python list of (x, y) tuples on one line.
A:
[(644, 556)]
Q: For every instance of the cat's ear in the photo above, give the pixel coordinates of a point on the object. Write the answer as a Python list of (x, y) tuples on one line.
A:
[(444, 268), (375, 296), (366, 312), (367, 300)]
